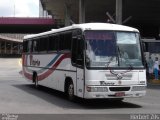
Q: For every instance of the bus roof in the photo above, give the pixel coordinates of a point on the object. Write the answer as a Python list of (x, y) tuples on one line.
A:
[(87, 26)]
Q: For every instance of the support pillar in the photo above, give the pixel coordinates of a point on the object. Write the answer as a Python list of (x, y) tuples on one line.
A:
[(67, 14), (159, 33), (81, 11), (18, 47), (118, 11), (0, 48), (11, 51), (5, 47)]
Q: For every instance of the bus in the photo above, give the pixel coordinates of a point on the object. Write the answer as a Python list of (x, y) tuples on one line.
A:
[(89, 61), (151, 48)]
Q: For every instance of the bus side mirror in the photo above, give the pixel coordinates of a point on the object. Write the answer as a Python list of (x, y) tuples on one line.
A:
[(80, 59), (80, 37)]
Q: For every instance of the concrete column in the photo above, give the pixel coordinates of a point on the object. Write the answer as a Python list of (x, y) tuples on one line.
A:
[(119, 11), (81, 11), (11, 51), (5, 47), (18, 46), (67, 14), (159, 33), (0, 48)]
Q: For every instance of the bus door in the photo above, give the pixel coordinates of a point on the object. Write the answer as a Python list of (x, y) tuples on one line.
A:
[(78, 62)]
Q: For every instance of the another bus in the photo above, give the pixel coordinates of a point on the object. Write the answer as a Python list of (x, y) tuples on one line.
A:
[(151, 48), (90, 61)]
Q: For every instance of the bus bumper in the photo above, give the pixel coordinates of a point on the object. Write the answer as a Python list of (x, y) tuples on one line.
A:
[(114, 94)]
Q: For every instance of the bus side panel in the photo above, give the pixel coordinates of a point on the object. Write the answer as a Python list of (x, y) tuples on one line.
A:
[(80, 82), (65, 71), (26, 74), (52, 69), (43, 65)]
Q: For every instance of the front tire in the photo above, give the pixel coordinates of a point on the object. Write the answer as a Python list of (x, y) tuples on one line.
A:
[(70, 92)]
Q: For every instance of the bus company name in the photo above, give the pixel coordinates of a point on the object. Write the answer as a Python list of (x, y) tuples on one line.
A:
[(34, 62), (106, 83)]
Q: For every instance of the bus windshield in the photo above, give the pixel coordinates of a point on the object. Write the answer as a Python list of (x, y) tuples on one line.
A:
[(112, 49)]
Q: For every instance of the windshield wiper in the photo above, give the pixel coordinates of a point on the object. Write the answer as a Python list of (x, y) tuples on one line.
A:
[(119, 52), (119, 55), (109, 62)]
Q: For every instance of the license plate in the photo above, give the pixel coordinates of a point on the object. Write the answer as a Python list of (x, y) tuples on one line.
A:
[(119, 94)]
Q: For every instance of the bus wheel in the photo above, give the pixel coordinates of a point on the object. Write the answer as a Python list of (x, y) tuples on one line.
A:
[(70, 91)]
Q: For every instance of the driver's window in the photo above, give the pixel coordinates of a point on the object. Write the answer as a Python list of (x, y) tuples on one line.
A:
[(77, 50), (80, 55)]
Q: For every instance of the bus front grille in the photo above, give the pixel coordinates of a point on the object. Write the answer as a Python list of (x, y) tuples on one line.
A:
[(119, 88)]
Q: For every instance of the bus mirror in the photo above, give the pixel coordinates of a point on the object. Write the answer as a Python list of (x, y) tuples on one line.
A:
[(87, 61), (79, 37), (80, 60)]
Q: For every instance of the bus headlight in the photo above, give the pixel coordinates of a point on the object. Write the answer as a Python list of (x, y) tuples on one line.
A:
[(138, 88), (97, 89)]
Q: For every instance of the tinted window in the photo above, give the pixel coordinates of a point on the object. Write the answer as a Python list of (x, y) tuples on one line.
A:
[(35, 46), (68, 38), (43, 44), (29, 46), (52, 46), (154, 47), (61, 42), (65, 41)]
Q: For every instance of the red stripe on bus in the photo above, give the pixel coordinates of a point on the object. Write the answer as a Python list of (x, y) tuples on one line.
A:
[(27, 75), (47, 73)]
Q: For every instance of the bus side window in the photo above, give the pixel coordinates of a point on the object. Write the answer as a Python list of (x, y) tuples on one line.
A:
[(52, 43), (43, 44), (29, 47), (68, 38), (65, 41), (80, 48), (35, 46), (74, 49), (61, 42)]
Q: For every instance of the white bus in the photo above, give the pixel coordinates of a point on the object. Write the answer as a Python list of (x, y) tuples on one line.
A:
[(90, 61), (151, 48)]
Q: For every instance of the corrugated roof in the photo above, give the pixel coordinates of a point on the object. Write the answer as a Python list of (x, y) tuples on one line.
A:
[(26, 21)]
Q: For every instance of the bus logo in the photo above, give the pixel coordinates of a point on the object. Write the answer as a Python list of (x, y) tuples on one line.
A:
[(119, 76)]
